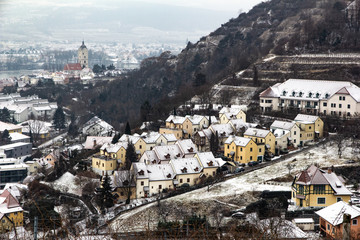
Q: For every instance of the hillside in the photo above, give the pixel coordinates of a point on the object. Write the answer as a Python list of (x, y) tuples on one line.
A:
[(282, 27)]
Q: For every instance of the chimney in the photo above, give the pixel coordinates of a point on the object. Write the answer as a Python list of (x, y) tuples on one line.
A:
[(346, 227), (94, 142)]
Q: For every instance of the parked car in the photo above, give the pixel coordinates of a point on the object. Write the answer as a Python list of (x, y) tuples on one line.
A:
[(242, 164), (240, 169), (252, 163), (238, 215), (284, 151)]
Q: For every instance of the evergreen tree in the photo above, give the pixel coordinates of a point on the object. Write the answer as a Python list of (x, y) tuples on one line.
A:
[(105, 197), (212, 143), (174, 111), (59, 118), (5, 115), (130, 156), (5, 137), (73, 129), (255, 76), (115, 138), (127, 129)]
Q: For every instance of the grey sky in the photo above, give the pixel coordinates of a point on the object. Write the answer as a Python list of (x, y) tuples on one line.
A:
[(138, 21)]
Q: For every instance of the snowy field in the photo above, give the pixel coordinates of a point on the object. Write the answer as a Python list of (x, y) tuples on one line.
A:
[(259, 180)]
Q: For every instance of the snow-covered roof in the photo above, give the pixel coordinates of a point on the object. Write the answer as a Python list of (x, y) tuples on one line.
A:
[(280, 132), (303, 89), (195, 119), (151, 156), (129, 138), (223, 130), (14, 145), (334, 213), (15, 136), (36, 126), (170, 137), (140, 170), (256, 132), (282, 125), (239, 141), (8, 126), (187, 146), (233, 110), (150, 137), (95, 141), (168, 152), (114, 148), (186, 166), (176, 119), (305, 118), (303, 220), (316, 176), (160, 172), (97, 121), (208, 160)]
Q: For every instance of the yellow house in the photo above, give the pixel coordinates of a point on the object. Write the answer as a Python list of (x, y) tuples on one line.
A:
[(115, 151), (103, 164), (318, 188), (5, 223), (178, 133), (187, 171), (209, 163), (124, 184), (311, 127), (174, 122), (10, 207), (265, 139), (226, 114), (12, 128), (241, 149)]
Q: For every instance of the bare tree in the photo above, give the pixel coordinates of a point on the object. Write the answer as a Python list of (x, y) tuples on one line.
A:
[(36, 127), (125, 180)]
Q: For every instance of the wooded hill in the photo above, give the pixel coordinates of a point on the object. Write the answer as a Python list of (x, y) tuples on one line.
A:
[(282, 27)]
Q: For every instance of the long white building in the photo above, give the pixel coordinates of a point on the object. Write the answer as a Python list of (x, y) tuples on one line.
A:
[(338, 98)]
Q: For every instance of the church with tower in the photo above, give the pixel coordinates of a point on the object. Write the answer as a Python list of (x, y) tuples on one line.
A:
[(83, 56)]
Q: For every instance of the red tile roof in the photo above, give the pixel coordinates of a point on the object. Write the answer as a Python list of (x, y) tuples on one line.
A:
[(72, 67)]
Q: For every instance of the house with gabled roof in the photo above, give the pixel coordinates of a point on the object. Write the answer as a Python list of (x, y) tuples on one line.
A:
[(98, 127), (187, 170), (315, 187), (337, 217), (311, 127), (241, 149), (209, 163), (115, 151), (286, 126), (187, 147), (10, 207), (202, 139), (223, 131), (152, 179), (229, 113), (265, 139), (337, 98)]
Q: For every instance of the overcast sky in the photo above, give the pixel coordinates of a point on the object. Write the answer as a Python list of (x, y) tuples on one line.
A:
[(137, 21)]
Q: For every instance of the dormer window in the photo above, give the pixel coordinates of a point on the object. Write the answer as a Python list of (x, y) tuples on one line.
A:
[(293, 93), (178, 155), (168, 176), (301, 94), (310, 94), (191, 149), (141, 172), (284, 93), (317, 95), (196, 169), (154, 161), (167, 156), (210, 164), (326, 95), (184, 170)]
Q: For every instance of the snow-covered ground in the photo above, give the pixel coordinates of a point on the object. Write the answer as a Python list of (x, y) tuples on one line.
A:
[(66, 183)]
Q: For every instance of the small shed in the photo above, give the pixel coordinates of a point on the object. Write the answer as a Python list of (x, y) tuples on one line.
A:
[(305, 224)]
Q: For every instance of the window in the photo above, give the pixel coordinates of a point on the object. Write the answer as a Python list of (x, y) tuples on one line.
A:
[(333, 105), (228, 146), (250, 157), (259, 149), (250, 149), (340, 105), (294, 132), (319, 189), (240, 149), (140, 146), (328, 227), (309, 127), (338, 199), (321, 200), (354, 222), (348, 114), (188, 180), (268, 101), (181, 180), (348, 106), (160, 186), (340, 97), (142, 183)]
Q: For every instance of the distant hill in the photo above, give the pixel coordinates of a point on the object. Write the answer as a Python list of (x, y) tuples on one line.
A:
[(282, 27)]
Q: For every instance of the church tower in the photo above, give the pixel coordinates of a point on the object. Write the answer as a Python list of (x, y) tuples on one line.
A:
[(83, 56)]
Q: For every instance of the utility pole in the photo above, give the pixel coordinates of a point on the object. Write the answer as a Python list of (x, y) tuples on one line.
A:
[(35, 227)]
